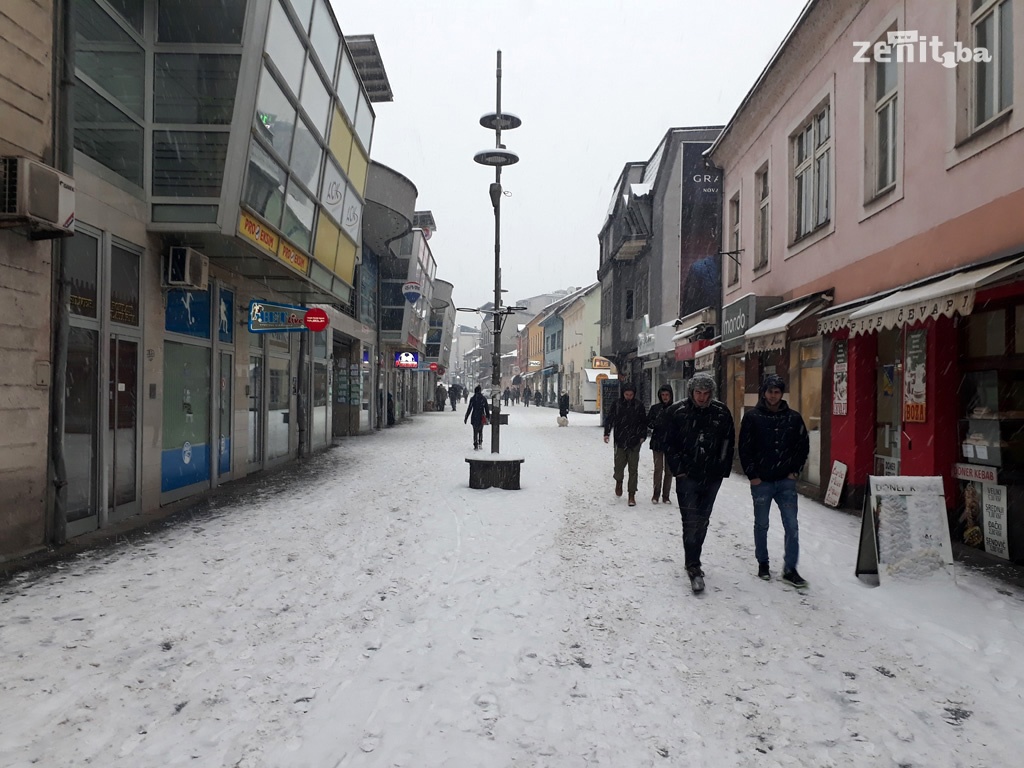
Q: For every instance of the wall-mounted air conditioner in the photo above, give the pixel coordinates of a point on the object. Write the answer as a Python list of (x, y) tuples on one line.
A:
[(187, 268), (36, 198)]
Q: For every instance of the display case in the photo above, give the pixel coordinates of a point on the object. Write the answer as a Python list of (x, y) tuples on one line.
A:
[(992, 423)]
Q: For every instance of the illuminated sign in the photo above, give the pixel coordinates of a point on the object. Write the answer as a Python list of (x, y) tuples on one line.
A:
[(407, 360), (268, 317)]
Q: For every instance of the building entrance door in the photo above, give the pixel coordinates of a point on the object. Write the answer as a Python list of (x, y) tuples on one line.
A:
[(888, 402), (122, 440)]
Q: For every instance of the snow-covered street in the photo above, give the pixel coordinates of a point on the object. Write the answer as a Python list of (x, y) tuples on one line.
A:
[(384, 614)]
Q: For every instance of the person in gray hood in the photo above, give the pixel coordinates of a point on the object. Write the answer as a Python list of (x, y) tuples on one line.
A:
[(699, 441), (662, 475)]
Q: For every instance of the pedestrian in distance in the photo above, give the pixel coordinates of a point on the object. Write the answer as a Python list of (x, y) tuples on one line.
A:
[(478, 413), (526, 396), (563, 404), (453, 395), (537, 398), (700, 440), (506, 396), (662, 475), (773, 450), (440, 395), (628, 419)]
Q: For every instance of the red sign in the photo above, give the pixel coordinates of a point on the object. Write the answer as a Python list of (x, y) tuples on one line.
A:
[(690, 350), (316, 319), (433, 366)]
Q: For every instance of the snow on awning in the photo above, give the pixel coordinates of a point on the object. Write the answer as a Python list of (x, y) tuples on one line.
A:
[(705, 359), (951, 295), (770, 333), (639, 190)]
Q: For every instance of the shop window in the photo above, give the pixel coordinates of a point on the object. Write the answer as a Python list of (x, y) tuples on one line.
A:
[(285, 48), (188, 163), (986, 333), (194, 88), (805, 396), (222, 21)]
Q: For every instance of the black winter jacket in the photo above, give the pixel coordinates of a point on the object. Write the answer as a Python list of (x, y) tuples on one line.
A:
[(629, 420), (478, 407), (699, 442), (773, 445), (657, 425)]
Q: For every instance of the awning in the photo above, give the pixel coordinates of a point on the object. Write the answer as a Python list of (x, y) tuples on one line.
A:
[(705, 359), (656, 341), (946, 297), (770, 333), (593, 373), (686, 334)]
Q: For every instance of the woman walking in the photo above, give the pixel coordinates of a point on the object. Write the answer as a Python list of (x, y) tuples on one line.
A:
[(478, 412)]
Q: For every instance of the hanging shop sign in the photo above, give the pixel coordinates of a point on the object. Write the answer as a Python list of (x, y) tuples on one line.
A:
[(412, 291), (271, 317), (840, 380), (914, 409), (407, 360), (316, 319)]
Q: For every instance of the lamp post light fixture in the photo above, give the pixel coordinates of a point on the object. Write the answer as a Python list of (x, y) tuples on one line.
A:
[(497, 158)]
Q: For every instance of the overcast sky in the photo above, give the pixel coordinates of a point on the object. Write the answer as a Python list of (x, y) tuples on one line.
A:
[(597, 84)]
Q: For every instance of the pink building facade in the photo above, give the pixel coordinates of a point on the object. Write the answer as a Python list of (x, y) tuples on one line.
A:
[(872, 205)]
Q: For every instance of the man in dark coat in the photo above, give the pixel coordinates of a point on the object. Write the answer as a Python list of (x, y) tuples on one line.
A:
[(453, 395), (563, 404), (700, 440), (628, 418), (527, 394), (773, 450), (657, 428), (479, 411)]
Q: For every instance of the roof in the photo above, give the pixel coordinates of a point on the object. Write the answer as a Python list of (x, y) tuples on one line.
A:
[(370, 66)]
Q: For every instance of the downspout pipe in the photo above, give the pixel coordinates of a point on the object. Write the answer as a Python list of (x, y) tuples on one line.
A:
[(63, 160)]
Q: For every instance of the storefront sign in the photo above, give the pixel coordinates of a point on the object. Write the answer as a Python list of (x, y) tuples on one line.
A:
[(407, 360), (269, 317), (316, 319), (690, 350), (744, 313), (914, 377), (904, 530), (994, 516), (599, 362), (840, 380), (974, 472), (257, 233), (835, 484), (293, 258), (930, 309)]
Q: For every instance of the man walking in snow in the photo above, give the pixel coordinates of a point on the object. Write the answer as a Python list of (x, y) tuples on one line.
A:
[(628, 418), (657, 428), (773, 449), (700, 440)]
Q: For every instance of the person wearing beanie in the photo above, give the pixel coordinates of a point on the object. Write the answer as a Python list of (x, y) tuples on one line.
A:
[(662, 487), (628, 419), (773, 450), (700, 440)]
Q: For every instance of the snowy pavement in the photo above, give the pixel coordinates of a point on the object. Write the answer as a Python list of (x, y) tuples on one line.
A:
[(381, 613)]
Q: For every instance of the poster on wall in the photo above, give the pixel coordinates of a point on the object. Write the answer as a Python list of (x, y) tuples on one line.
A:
[(904, 533), (839, 380), (994, 519), (914, 377)]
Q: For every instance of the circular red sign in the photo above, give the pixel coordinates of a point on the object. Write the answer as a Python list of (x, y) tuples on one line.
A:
[(433, 366), (315, 319)]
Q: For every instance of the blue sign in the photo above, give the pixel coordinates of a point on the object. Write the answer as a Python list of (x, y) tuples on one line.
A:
[(270, 317), (188, 313)]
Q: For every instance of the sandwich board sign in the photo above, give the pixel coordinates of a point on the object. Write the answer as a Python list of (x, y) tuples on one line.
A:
[(903, 531)]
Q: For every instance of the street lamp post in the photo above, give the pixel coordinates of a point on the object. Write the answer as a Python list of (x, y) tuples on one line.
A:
[(497, 157)]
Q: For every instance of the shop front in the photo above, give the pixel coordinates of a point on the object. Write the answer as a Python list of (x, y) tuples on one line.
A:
[(732, 359), (657, 351), (929, 380)]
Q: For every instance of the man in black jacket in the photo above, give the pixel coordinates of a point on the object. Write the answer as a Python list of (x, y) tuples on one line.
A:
[(773, 449), (699, 443), (628, 418), (662, 487)]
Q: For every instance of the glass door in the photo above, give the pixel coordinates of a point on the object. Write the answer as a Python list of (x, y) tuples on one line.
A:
[(122, 428), (888, 405), (81, 429), (224, 413), (255, 390)]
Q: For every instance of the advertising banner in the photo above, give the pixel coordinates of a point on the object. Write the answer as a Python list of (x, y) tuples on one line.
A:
[(914, 376), (840, 380)]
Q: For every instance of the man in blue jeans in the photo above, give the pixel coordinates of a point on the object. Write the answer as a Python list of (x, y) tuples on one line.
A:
[(773, 448)]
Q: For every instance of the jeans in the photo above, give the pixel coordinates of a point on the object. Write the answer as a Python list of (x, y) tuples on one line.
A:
[(478, 434), (627, 457), (661, 488), (783, 492), (695, 503)]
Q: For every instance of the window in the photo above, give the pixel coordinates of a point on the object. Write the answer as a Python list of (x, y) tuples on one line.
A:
[(194, 88), (734, 239), (763, 232), (629, 305), (812, 171), (992, 29), (885, 145)]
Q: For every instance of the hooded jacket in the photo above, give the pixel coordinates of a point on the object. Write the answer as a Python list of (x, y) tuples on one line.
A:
[(699, 441), (654, 415), (629, 420), (773, 444)]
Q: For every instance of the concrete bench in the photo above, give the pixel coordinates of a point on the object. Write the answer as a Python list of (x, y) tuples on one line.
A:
[(494, 472)]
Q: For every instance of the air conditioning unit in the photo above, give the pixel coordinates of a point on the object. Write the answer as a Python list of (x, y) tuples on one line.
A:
[(187, 268), (36, 198)]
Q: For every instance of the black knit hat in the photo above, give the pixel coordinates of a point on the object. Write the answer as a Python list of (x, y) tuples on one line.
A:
[(771, 381), (629, 386)]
